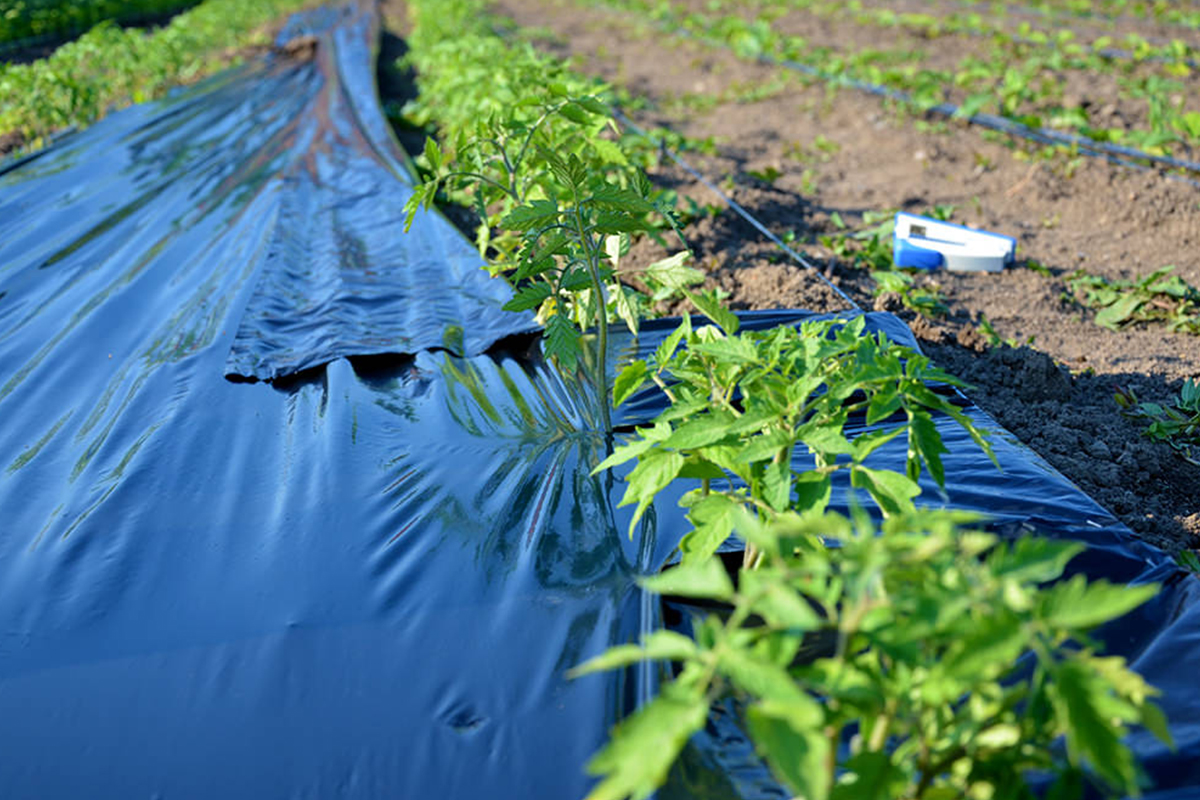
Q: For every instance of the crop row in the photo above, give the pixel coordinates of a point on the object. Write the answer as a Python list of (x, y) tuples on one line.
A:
[(25, 21), (1177, 55), (1017, 82), (111, 66), (1104, 11)]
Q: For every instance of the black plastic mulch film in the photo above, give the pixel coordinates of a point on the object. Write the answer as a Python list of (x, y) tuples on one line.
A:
[(368, 576)]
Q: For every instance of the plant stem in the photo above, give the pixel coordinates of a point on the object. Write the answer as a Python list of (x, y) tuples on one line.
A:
[(600, 376)]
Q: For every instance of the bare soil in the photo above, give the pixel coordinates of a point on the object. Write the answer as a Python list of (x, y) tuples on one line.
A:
[(1056, 393)]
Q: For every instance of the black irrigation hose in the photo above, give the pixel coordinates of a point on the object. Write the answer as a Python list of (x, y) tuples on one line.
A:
[(1116, 154), (737, 207)]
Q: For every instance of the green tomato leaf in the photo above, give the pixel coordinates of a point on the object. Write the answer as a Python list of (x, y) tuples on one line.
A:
[(705, 579), (870, 776), (790, 737), (628, 381), (778, 603), (1155, 721), (532, 215), (712, 519), (624, 453), (433, 154), (667, 349), (813, 492), (593, 104), (561, 342), (759, 677), (1076, 604), (708, 305), (576, 113), (1092, 734), (925, 445), (637, 758), (530, 296), (892, 491), (1033, 559)]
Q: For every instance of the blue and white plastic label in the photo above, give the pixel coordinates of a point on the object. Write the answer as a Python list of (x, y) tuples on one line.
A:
[(927, 243)]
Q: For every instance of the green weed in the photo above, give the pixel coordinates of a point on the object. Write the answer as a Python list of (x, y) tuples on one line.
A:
[(1158, 297), (1177, 423)]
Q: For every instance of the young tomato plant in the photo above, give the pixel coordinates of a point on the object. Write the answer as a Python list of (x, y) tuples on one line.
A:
[(890, 666), (533, 149), (560, 263), (741, 404)]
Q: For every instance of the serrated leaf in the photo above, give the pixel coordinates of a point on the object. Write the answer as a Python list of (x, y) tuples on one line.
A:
[(867, 443), (665, 350), (1033, 559), (615, 198), (1077, 604), (663, 644), (891, 491), (642, 748), (777, 484), (669, 275), (560, 341), (593, 104), (790, 737), (813, 492), (1091, 734), (759, 677), (988, 649), (925, 445), (654, 472), (433, 154), (609, 152), (628, 381), (779, 604), (610, 222), (624, 453), (711, 307), (713, 518), (824, 437), (530, 296), (704, 578), (700, 431), (532, 215)]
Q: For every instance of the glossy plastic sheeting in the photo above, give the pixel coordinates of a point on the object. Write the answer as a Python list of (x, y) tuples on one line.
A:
[(369, 578), (273, 195)]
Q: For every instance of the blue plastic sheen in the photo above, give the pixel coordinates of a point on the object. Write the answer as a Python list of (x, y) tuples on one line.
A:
[(368, 576)]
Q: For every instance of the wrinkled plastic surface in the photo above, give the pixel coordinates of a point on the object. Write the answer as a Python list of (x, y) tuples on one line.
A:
[(368, 577)]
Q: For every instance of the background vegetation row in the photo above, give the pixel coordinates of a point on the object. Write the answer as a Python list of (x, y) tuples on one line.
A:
[(111, 66)]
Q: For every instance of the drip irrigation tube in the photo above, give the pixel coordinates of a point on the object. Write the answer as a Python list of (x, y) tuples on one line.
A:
[(1114, 153), (1058, 14), (737, 208), (1118, 154)]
